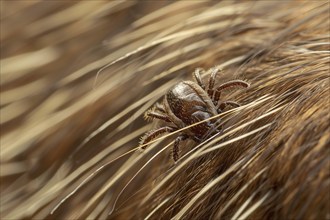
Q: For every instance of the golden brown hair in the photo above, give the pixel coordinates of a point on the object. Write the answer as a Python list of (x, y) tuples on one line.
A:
[(76, 79)]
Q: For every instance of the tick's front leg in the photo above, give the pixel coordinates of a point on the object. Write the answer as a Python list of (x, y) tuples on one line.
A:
[(151, 114), (198, 77), (153, 134)]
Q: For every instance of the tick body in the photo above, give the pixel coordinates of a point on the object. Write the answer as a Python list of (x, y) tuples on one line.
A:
[(188, 103)]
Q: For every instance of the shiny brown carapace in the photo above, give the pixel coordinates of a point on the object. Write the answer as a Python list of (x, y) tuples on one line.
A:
[(189, 103)]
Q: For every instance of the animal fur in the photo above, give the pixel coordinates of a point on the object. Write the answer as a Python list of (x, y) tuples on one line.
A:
[(76, 79)]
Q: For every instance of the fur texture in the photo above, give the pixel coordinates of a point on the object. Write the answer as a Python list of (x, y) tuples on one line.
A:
[(76, 79)]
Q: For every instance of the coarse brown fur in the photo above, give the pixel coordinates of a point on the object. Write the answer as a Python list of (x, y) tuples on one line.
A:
[(76, 79)]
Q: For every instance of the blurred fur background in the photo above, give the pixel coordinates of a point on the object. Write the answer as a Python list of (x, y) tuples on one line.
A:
[(77, 77)]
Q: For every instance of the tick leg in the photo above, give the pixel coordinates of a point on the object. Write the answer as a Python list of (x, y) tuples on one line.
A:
[(198, 78), (149, 136), (223, 105), (153, 114), (160, 107), (233, 83), (175, 152), (214, 72)]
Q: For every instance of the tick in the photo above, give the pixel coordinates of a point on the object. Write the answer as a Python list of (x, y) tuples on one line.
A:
[(190, 102)]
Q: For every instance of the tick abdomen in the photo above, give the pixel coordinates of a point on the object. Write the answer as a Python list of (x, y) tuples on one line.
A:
[(184, 102), (190, 108)]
